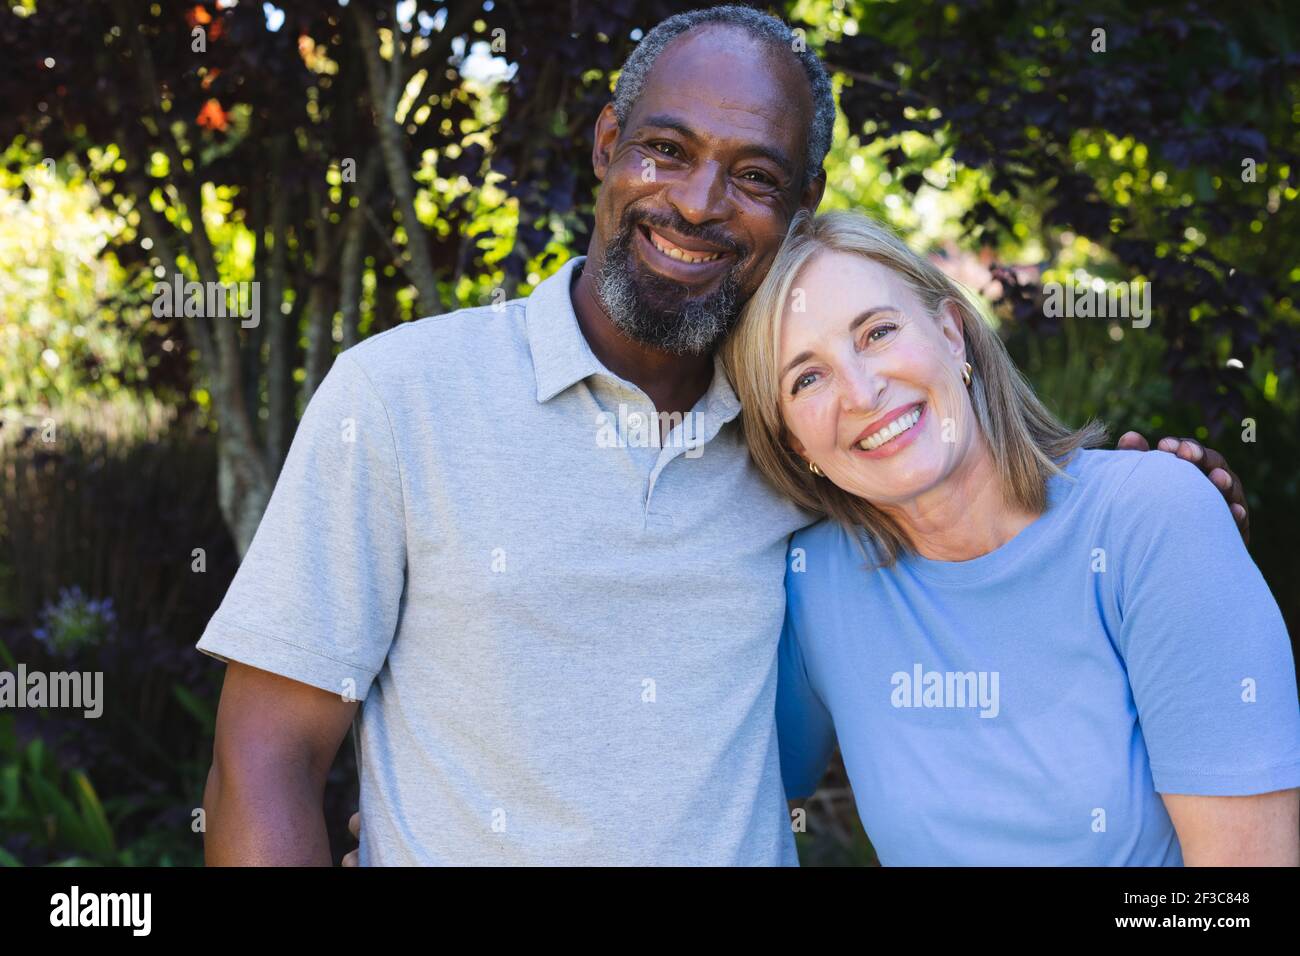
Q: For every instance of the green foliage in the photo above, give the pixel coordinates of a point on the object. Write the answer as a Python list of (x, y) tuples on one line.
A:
[(113, 508), (58, 811), (71, 326), (55, 816)]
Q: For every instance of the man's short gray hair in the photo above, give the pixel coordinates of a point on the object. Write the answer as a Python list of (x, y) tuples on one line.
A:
[(757, 24)]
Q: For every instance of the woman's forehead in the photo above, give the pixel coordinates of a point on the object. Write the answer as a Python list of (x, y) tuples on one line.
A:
[(837, 281)]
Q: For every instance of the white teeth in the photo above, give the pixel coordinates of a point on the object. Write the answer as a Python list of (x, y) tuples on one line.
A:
[(682, 256), (895, 428)]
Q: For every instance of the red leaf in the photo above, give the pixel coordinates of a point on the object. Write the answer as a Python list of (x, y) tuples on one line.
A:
[(212, 116)]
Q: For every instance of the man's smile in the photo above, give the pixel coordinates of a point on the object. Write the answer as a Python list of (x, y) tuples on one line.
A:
[(690, 261)]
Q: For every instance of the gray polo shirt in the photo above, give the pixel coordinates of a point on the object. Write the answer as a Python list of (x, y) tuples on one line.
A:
[(563, 636)]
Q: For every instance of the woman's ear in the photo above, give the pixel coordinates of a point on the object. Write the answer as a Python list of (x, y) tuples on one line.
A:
[(950, 324), (796, 446)]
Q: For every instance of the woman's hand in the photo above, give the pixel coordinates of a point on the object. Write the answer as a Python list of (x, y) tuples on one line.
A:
[(1258, 830), (1212, 464)]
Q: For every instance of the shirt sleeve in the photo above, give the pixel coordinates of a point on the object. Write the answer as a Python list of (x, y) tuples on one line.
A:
[(317, 596), (804, 728), (1208, 656)]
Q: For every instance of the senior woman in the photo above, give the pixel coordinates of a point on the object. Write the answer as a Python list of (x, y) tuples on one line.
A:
[(1032, 651)]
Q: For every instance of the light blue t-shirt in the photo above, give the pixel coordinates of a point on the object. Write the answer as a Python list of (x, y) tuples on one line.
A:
[(1029, 706)]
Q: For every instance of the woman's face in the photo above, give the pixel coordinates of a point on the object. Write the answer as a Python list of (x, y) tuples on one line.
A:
[(871, 386)]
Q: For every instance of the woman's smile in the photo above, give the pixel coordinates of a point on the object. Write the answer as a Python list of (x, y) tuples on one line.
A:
[(892, 433)]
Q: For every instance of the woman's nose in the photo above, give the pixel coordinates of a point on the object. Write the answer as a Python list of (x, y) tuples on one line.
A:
[(860, 388)]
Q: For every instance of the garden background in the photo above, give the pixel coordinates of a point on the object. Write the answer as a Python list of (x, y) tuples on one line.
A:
[(372, 163)]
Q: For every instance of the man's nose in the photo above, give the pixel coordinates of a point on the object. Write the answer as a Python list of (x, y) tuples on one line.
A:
[(700, 196)]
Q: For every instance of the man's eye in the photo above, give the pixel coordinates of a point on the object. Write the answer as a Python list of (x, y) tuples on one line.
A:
[(762, 177), (668, 149), (801, 381)]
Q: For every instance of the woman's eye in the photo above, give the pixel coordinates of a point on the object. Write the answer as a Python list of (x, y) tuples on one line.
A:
[(880, 331), (801, 381)]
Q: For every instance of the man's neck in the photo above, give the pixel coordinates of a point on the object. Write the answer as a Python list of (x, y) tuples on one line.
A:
[(673, 382)]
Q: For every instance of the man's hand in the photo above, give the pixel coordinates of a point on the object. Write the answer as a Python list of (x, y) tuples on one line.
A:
[(353, 857), (1211, 463)]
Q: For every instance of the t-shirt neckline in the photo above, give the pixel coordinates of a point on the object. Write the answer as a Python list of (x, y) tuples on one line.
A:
[(975, 570)]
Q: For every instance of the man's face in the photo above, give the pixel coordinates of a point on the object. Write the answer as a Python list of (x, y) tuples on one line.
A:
[(699, 188)]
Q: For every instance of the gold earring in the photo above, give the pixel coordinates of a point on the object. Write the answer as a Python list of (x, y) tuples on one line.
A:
[(812, 466), (966, 374)]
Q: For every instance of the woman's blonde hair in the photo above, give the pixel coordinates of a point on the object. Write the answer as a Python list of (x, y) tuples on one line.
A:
[(1026, 440)]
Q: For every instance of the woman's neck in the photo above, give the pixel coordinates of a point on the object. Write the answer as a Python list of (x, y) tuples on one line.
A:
[(965, 516)]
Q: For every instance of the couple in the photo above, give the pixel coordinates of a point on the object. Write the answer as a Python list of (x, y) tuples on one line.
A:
[(552, 651)]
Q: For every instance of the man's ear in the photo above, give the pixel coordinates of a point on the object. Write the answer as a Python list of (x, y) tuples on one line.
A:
[(811, 197), (602, 150), (950, 324)]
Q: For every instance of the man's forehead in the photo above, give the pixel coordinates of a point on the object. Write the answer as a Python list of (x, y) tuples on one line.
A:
[(721, 74)]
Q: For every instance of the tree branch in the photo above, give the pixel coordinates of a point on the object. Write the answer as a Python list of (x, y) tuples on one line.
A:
[(418, 264)]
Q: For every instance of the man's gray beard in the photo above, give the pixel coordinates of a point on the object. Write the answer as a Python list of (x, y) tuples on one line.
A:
[(649, 310)]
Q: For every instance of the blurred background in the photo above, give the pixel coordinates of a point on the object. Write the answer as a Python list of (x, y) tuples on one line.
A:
[(371, 163)]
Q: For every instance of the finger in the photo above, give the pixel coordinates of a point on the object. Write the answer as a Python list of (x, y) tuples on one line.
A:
[(352, 858), (354, 825), (1242, 517), (1132, 441), (1212, 462), (1168, 444), (1236, 495), (1190, 450)]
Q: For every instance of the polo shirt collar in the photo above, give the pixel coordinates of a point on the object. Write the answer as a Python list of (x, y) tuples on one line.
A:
[(720, 400), (562, 357)]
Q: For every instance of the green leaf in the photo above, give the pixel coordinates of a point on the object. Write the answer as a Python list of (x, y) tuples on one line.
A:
[(202, 711), (97, 830)]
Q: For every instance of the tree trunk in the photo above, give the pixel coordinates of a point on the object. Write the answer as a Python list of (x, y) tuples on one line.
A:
[(280, 327), (352, 260), (242, 503), (385, 91), (323, 297)]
